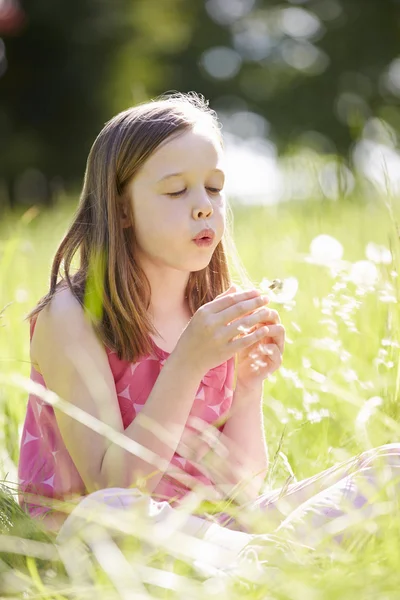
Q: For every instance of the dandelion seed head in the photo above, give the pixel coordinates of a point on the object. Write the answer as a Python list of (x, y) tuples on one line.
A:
[(364, 274), (339, 285), (344, 355), (327, 343), (386, 297), (310, 398), (291, 376), (349, 375), (324, 249), (391, 343), (315, 416), (21, 295), (378, 254), (297, 414), (316, 376), (282, 293)]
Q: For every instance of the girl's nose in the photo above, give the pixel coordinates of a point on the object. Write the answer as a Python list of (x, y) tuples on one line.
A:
[(202, 205), (203, 213)]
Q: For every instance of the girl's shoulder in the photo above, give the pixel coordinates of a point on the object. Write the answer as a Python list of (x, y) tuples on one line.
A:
[(62, 319)]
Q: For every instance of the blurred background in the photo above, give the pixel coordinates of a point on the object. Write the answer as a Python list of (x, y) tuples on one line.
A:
[(307, 90)]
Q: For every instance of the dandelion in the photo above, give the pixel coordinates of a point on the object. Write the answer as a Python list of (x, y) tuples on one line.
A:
[(388, 342), (364, 274), (315, 416), (297, 414), (325, 250), (316, 376), (327, 343), (21, 295), (281, 292), (349, 375), (292, 376), (310, 398), (378, 254), (387, 297)]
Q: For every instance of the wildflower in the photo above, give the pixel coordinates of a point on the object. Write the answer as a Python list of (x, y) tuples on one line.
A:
[(378, 254), (364, 274), (325, 250), (281, 292)]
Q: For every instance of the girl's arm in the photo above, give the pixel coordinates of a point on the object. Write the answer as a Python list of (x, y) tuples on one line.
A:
[(235, 459), (244, 435), (74, 365)]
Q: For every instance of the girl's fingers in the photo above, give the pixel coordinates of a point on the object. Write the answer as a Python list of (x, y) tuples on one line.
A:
[(245, 341), (276, 335), (271, 316), (271, 353), (230, 301)]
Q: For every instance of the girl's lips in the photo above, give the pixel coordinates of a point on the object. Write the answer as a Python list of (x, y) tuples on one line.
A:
[(203, 242), (205, 233)]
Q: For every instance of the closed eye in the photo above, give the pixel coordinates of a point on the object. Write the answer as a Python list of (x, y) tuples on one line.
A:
[(176, 194), (180, 192)]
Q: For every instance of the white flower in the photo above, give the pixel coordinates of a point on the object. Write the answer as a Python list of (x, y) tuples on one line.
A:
[(325, 249), (364, 273), (315, 416), (284, 294), (21, 295), (327, 343), (378, 254)]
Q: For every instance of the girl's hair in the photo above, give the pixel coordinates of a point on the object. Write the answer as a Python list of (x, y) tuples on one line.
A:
[(109, 283)]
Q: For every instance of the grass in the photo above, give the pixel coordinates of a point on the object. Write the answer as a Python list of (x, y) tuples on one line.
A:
[(342, 350)]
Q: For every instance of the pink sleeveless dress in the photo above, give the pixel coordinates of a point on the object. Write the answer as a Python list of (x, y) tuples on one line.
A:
[(47, 470)]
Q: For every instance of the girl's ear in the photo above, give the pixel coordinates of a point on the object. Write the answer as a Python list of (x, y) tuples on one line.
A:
[(123, 213)]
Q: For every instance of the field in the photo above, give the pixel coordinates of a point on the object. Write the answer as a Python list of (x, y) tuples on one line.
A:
[(336, 395)]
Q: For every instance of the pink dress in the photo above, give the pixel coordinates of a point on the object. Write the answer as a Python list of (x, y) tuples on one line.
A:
[(46, 468)]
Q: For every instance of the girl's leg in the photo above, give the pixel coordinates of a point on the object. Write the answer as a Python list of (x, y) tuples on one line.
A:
[(307, 508), (155, 523)]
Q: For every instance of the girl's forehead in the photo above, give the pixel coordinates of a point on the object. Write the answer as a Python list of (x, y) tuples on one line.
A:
[(196, 147)]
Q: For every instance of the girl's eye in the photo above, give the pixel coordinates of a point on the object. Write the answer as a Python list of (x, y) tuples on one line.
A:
[(180, 192), (176, 194)]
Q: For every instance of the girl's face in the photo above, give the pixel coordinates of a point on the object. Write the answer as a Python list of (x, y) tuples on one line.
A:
[(176, 194)]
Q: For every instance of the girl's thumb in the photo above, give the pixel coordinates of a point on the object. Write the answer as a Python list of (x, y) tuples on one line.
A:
[(233, 288)]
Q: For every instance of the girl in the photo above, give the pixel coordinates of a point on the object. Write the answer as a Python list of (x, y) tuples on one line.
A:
[(144, 337)]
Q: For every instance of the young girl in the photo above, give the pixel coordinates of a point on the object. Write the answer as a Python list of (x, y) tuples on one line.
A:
[(151, 338)]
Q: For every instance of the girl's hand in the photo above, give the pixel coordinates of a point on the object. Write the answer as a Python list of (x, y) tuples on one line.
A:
[(211, 336), (218, 458), (256, 362)]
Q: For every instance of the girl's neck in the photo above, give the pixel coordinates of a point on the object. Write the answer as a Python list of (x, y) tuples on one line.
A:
[(170, 327)]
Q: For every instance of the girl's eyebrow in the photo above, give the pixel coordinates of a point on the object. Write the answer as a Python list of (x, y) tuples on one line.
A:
[(182, 173)]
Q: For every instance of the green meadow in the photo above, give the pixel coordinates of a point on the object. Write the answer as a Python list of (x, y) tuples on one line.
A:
[(336, 395)]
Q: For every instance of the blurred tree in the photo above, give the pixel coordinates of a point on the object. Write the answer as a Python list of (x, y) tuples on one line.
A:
[(72, 67), (305, 65), (316, 70)]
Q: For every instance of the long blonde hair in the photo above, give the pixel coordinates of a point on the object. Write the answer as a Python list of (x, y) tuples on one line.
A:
[(109, 283)]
